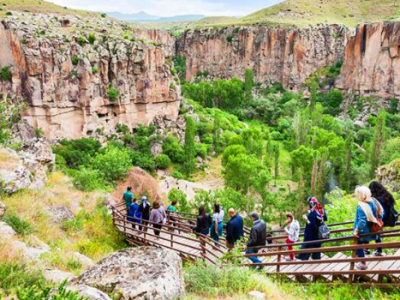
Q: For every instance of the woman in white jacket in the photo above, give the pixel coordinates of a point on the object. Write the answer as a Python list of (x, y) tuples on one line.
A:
[(293, 230)]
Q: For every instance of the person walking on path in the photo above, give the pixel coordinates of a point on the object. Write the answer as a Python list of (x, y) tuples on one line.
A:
[(171, 211), (133, 213), (144, 209), (390, 215), (217, 225), (157, 217), (258, 237), (234, 229), (293, 231), (368, 212), (204, 222), (314, 219), (127, 197)]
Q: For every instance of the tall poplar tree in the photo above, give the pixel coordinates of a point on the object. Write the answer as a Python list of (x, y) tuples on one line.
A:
[(190, 150), (377, 142)]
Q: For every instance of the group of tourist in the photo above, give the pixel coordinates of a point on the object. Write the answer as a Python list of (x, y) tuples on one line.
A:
[(375, 209)]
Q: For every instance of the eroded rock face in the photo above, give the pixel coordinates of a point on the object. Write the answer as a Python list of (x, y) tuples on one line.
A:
[(372, 60), (137, 273), (66, 79), (389, 175), (288, 56)]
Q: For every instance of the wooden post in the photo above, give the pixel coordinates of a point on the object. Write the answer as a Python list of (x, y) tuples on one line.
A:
[(203, 246), (353, 255), (172, 239), (278, 267)]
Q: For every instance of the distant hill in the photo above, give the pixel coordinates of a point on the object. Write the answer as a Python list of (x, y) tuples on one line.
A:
[(39, 6), (306, 12), (140, 16), (145, 17)]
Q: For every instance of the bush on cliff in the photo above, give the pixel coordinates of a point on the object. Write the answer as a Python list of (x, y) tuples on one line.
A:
[(163, 161)]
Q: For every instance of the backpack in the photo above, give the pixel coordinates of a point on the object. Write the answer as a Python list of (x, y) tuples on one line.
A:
[(324, 232), (391, 218)]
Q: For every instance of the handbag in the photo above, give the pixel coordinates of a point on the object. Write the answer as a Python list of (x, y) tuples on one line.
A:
[(324, 232), (376, 227)]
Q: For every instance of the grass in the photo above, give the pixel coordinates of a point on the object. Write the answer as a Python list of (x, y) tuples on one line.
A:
[(211, 282), (39, 6), (90, 232), (305, 12)]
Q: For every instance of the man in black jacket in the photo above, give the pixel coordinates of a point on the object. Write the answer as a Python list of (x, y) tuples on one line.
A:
[(258, 237), (144, 209), (234, 229)]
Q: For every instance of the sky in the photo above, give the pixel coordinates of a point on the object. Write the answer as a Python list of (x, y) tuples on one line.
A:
[(167, 8)]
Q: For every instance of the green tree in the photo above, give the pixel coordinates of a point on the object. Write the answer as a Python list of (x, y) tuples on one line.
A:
[(217, 132), (377, 142), (276, 161), (347, 175), (232, 150), (313, 94), (177, 195), (113, 164), (248, 84), (190, 147)]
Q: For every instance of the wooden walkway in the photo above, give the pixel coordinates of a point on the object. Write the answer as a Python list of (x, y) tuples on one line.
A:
[(337, 263)]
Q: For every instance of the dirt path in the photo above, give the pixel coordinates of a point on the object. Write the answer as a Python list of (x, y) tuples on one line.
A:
[(209, 180)]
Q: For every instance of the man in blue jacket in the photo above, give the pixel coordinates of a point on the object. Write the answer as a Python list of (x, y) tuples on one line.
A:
[(234, 229)]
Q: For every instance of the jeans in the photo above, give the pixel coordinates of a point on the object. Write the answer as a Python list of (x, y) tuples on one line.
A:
[(360, 252), (314, 255), (254, 259), (379, 240), (290, 248), (205, 231)]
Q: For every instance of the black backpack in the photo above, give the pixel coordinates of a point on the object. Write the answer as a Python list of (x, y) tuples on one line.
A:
[(391, 218)]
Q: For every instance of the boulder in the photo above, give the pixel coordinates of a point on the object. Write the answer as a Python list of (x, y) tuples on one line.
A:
[(137, 273), (60, 214), (88, 292), (57, 276), (28, 253), (141, 183), (6, 232), (3, 209)]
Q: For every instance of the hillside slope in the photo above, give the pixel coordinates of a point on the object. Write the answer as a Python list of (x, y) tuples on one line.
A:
[(306, 12), (39, 6)]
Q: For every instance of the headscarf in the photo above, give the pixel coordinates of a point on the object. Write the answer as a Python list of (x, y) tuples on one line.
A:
[(316, 207), (144, 201), (363, 195)]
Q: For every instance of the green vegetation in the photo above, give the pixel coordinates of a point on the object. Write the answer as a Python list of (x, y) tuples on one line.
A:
[(9, 115), (15, 276), (5, 74), (92, 38), (162, 161), (75, 60), (20, 226), (113, 94), (189, 148)]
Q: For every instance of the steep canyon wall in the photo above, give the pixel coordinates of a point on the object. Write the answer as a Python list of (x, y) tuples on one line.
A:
[(288, 56), (66, 79)]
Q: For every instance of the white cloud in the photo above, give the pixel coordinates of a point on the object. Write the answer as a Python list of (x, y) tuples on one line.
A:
[(158, 7)]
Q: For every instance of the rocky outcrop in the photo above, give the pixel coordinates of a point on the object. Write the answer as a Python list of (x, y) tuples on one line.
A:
[(137, 273), (372, 60), (161, 37), (68, 77), (142, 183), (283, 55), (389, 175)]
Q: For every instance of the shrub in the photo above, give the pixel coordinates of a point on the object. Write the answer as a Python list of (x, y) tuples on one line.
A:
[(163, 161), (121, 128), (173, 149), (229, 38), (103, 15), (13, 276), (177, 175), (75, 60), (5, 74), (92, 38), (179, 196), (112, 94), (95, 70), (142, 160), (87, 180), (20, 226), (43, 292), (81, 40), (113, 164), (39, 133), (8, 13)]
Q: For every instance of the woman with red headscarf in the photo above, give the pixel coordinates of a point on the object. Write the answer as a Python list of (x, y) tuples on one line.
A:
[(315, 217)]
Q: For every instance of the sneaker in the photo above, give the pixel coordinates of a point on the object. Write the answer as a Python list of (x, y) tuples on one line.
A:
[(378, 254), (361, 266)]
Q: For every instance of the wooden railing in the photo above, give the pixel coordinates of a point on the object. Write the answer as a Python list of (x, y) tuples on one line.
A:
[(188, 244)]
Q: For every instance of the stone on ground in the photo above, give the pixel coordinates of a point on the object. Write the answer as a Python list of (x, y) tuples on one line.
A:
[(137, 273)]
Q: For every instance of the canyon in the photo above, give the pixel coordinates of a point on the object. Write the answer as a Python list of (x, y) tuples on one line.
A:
[(66, 79)]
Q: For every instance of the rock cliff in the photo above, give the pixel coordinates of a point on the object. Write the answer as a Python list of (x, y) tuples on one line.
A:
[(283, 55), (82, 75), (372, 60)]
